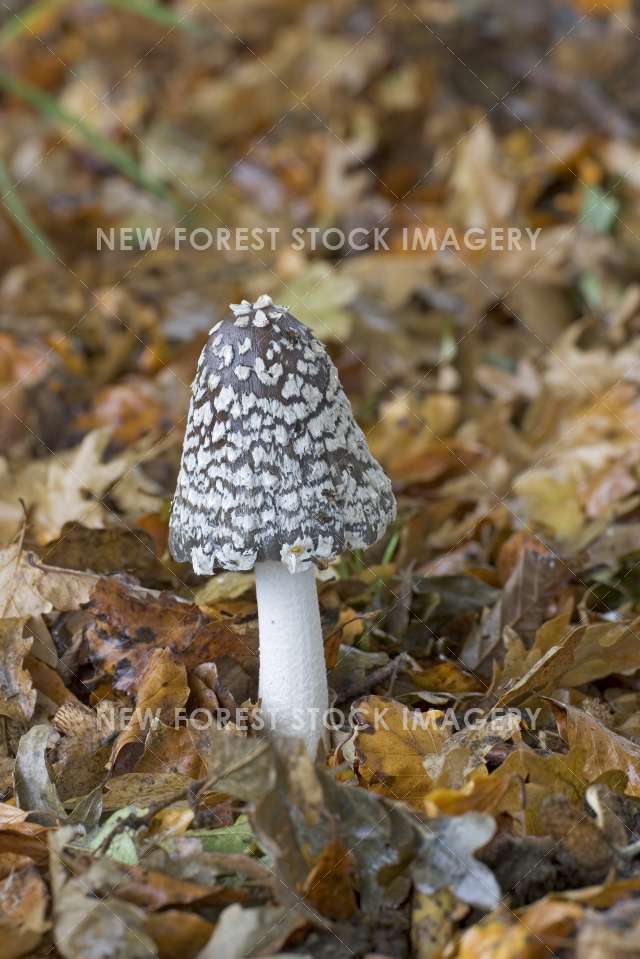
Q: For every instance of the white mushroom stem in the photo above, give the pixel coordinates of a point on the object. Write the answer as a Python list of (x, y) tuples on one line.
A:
[(293, 675)]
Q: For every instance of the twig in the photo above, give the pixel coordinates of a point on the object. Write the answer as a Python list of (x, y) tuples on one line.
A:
[(391, 669), (191, 792)]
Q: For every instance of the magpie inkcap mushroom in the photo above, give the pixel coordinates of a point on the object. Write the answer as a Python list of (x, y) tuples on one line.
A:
[(276, 474)]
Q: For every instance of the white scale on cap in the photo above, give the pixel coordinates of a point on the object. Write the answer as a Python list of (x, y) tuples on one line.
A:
[(274, 465)]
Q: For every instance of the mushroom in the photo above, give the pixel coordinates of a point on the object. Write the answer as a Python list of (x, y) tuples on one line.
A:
[(277, 475)]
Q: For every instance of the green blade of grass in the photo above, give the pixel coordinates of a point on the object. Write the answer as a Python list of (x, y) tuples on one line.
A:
[(20, 216), (154, 11), (112, 152), (30, 20)]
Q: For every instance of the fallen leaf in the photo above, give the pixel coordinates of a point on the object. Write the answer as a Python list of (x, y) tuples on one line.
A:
[(329, 885), (445, 858), (172, 749), (17, 695), (62, 488), (28, 588), (609, 934), (241, 931), (483, 196), (305, 810), (23, 906), (529, 934), (22, 838), (128, 624), (604, 750), (392, 743), (35, 793), (88, 919), (143, 788), (105, 551), (224, 586), (434, 920), (319, 297), (492, 793), (163, 690), (178, 934), (551, 502)]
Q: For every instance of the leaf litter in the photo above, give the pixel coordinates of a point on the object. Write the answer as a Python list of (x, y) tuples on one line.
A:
[(481, 794)]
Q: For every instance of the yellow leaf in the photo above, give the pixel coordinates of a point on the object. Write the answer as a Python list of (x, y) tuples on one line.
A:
[(391, 745), (551, 502), (604, 749)]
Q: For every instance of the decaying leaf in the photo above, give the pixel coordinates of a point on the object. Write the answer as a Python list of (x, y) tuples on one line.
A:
[(306, 811), (163, 690), (17, 695), (22, 838), (320, 297), (87, 918), (609, 934), (35, 793), (244, 932), (62, 488), (445, 858), (434, 917), (392, 744), (105, 551), (23, 906), (143, 788), (528, 934), (604, 750), (478, 164), (178, 934), (404, 754), (28, 588), (129, 624)]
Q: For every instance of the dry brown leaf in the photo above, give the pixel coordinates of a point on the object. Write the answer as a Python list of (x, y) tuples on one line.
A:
[(82, 752), (531, 933), (178, 934), (603, 649), (163, 690), (29, 588), (329, 885), (483, 196), (404, 754), (554, 773), (604, 750), (551, 502), (392, 743), (129, 624), (434, 920), (489, 793), (23, 906), (171, 749), (466, 749), (48, 682), (17, 695), (528, 671), (88, 918), (106, 551), (22, 838), (154, 890), (64, 487), (129, 409), (512, 548), (610, 934), (143, 789)]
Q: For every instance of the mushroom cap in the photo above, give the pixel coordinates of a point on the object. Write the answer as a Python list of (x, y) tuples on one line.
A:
[(274, 465)]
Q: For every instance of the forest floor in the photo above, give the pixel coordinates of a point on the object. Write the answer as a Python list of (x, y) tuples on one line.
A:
[(481, 796)]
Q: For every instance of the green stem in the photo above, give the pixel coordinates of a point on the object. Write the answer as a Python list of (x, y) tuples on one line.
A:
[(18, 212)]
